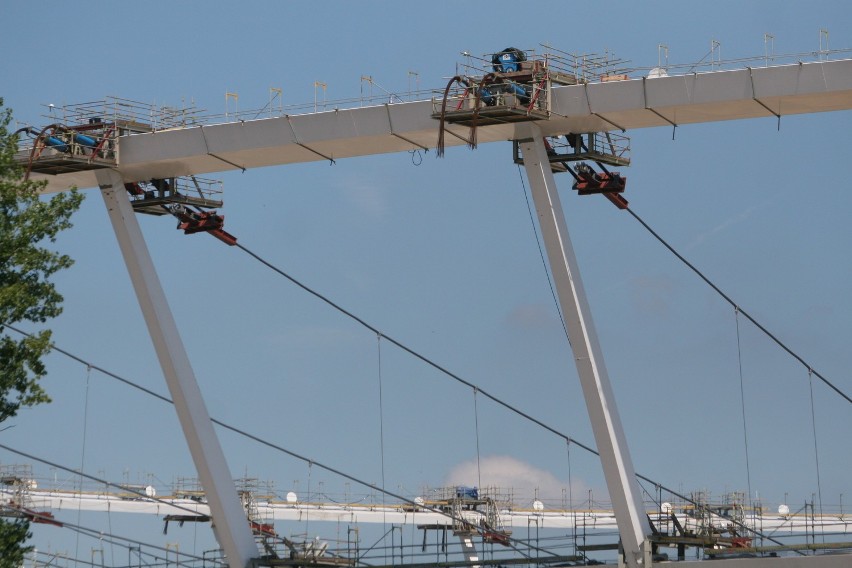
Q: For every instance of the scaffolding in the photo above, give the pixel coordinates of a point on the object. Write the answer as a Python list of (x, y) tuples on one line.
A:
[(19, 480), (484, 91), (189, 488), (82, 137), (154, 197)]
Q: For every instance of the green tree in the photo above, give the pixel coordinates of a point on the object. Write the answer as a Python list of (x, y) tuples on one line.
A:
[(27, 223), (12, 536)]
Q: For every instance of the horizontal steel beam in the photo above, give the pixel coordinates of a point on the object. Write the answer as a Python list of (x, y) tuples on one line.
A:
[(594, 107)]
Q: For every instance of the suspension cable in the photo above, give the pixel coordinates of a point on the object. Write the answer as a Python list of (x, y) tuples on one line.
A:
[(742, 404), (571, 494), (381, 430), (541, 255), (476, 427), (816, 448), (83, 454)]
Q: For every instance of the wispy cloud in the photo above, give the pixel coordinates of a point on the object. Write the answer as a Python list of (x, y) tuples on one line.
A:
[(531, 316), (701, 238)]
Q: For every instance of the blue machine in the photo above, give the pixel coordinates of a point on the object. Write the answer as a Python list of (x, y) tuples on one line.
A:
[(507, 61), (84, 140), (465, 492), (56, 144), (60, 143)]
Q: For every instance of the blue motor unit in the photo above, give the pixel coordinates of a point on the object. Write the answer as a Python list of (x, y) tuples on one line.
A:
[(489, 94), (465, 492), (84, 140), (508, 61), (56, 144)]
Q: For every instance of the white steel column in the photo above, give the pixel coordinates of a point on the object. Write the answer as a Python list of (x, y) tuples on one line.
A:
[(230, 525), (621, 480)]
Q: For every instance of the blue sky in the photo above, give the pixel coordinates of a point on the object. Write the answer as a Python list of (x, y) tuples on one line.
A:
[(442, 256)]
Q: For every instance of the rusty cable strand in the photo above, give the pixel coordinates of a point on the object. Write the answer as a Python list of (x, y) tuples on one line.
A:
[(440, 146), (38, 139), (491, 78), (477, 98)]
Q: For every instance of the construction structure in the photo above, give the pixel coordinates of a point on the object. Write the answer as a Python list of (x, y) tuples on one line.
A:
[(558, 121)]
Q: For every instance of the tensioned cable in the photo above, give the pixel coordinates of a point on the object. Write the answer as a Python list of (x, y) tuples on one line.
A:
[(476, 427), (571, 494), (734, 305), (742, 403), (816, 448), (541, 254), (110, 374), (83, 454), (381, 431), (310, 473)]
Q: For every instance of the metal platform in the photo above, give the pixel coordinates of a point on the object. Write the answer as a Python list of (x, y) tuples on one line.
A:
[(488, 116), (600, 147), (153, 196)]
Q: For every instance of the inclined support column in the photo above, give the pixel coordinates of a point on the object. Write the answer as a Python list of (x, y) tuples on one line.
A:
[(230, 525), (621, 480)]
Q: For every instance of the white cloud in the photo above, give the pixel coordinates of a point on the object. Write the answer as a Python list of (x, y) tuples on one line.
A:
[(508, 473)]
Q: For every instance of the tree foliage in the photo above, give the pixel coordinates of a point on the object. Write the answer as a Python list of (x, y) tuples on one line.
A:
[(28, 222), (12, 534)]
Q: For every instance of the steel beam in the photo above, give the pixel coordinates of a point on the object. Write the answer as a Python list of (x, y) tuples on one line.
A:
[(230, 526), (594, 107), (609, 435)]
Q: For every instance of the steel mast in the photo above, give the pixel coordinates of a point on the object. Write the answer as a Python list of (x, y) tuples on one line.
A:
[(621, 481), (230, 526)]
